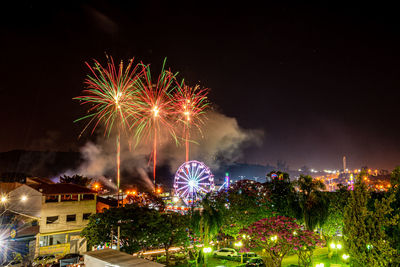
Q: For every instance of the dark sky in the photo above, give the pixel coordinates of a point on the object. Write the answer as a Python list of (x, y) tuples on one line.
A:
[(322, 80)]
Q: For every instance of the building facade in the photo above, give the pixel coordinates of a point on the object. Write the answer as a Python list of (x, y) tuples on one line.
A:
[(62, 211)]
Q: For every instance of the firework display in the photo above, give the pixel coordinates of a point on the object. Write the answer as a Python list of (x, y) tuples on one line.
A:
[(130, 100), (110, 93), (155, 108), (190, 105)]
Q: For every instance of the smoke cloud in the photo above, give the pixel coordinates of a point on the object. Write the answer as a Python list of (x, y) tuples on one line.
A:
[(221, 140)]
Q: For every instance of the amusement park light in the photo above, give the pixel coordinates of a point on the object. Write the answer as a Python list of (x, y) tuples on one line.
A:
[(24, 198), (3, 199), (175, 199), (192, 183), (345, 256)]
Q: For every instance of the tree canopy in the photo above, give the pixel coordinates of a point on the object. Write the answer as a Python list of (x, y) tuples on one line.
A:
[(76, 179)]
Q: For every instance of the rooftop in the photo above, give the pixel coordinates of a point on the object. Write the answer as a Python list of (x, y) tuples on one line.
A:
[(60, 189), (118, 258)]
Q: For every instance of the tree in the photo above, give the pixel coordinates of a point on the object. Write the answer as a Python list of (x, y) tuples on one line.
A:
[(312, 202), (206, 222), (171, 230), (364, 229), (242, 204), (76, 179), (283, 198), (137, 226), (278, 236), (334, 222), (395, 177), (394, 230)]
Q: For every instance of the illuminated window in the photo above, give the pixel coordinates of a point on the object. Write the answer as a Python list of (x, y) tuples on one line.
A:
[(51, 199)]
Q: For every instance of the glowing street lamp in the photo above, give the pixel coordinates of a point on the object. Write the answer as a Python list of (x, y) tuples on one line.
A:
[(239, 245), (335, 248), (206, 251)]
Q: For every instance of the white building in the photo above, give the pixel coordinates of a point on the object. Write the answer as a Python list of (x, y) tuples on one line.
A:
[(62, 210)]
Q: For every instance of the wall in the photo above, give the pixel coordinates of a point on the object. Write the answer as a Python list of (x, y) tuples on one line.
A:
[(62, 209), (31, 206)]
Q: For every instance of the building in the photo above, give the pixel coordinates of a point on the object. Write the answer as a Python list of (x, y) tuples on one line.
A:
[(110, 257), (62, 211)]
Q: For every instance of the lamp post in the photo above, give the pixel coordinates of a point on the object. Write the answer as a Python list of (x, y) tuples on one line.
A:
[(239, 245), (206, 251), (336, 247)]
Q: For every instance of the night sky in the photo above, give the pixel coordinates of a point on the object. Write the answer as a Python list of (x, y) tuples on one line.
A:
[(321, 80)]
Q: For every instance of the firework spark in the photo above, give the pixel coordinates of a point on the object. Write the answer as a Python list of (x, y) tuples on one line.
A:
[(155, 108), (110, 93), (190, 104)]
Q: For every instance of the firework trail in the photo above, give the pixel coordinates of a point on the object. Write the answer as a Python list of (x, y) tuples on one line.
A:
[(190, 105), (155, 108), (110, 93)]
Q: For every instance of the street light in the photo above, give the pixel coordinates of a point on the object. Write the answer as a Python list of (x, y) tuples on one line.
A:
[(335, 248), (3, 199), (239, 245), (206, 251)]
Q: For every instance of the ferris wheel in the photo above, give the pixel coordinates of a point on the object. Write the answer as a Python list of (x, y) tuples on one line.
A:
[(193, 179)]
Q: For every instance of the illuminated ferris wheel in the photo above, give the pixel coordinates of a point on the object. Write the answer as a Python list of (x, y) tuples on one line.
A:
[(193, 179)]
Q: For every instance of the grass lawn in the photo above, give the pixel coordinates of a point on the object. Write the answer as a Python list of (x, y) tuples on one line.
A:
[(320, 256)]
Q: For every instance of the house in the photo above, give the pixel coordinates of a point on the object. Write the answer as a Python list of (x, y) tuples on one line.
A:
[(62, 211)]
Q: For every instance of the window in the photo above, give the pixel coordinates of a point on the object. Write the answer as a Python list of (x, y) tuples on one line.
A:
[(50, 240), (69, 197), (71, 218), (51, 199), (51, 219), (86, 216), (87, 197)]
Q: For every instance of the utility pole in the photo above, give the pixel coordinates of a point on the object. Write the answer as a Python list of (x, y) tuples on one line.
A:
[(118, 235), (112, 237)]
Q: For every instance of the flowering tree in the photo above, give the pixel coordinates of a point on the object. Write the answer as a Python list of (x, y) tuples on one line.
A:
[(277, 236), (242, 204)]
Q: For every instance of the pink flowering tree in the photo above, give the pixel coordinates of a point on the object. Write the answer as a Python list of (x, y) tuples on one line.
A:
[(277, 236)]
